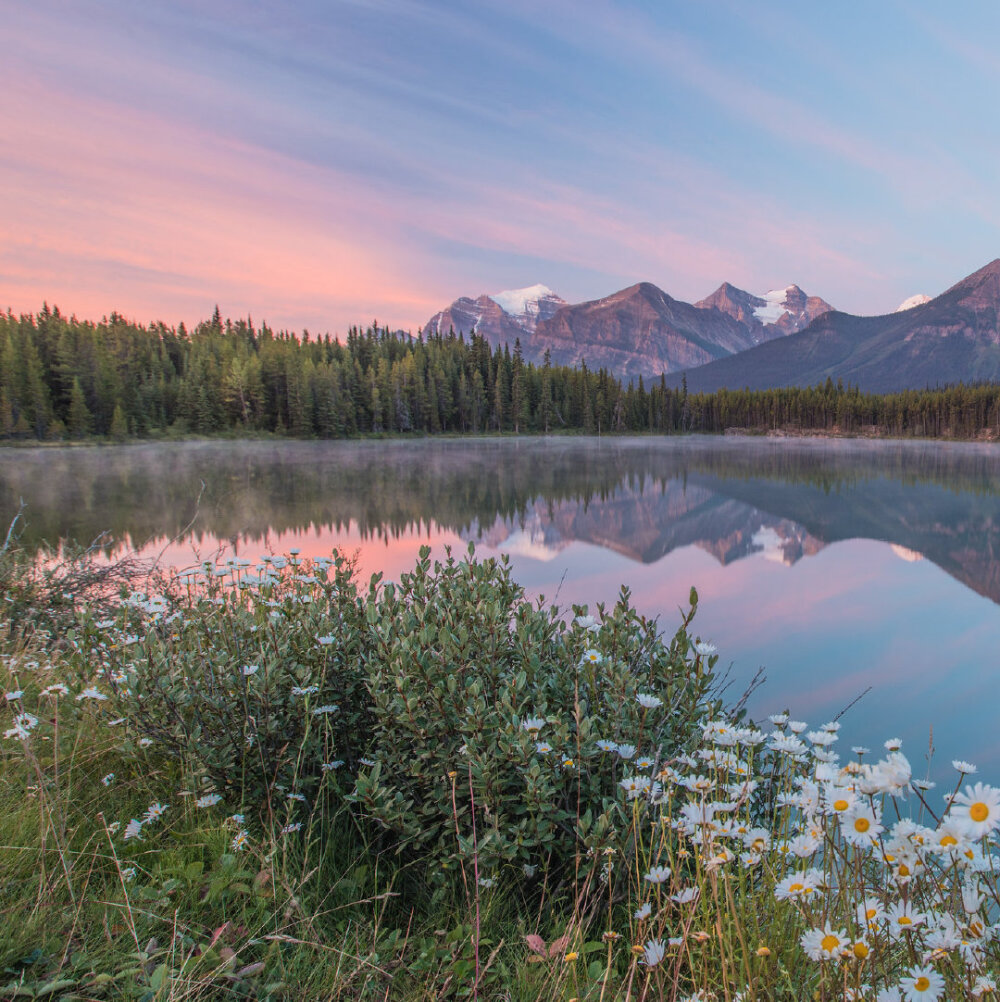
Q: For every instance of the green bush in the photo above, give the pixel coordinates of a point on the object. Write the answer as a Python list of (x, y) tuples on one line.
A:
[(254, 679), (462, 665), (469, 728)]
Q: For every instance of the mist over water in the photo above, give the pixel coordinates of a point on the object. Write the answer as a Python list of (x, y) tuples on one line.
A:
[(835, 565)]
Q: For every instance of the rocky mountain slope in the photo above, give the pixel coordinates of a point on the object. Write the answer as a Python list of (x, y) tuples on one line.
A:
[(952, 338)]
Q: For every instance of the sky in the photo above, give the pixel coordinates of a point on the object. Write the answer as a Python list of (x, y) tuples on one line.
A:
[(324, 163)]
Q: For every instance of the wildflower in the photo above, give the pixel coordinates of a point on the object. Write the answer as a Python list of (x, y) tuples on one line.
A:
[(155, 811), (486, 882), (90, 693), (533, 724), (240, 840), (607, 746), (308, 690), (296, 796), (648, 701), (653, 952), (57, 689), (571, 956), (208, 800), (978, 808), (985, 985), (592, 657), (861, 826), (108, 779), (370, 762), (965, 768), (610, 936), (686, 896), (893, 744), (902, 917), (24, 724), (823, 942), (335, 764), (288, 829), (529, 870), (922, 983), (133, 829), (542, 747), (704, 650), (325, 709), (778, 719), (657, 874), (644, 763), (248, 670), (16, 694), (870, 912), (128, 873), (643, 911), (625, 751), (325, 641)]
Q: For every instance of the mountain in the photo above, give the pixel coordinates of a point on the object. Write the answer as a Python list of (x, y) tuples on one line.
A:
[(952, 338), (639, 331), (501, 318), (775, 314)]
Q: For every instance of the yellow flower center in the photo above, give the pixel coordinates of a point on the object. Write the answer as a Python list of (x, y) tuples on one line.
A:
[(860, 950), (904, 920), (829, 942), (922, 984), (949, 840), (871, 913), (795, 888), (840, 805), (862, 824), (904, 870), (979, 812)]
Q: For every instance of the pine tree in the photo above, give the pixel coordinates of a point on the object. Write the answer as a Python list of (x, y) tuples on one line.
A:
[(79, 419)]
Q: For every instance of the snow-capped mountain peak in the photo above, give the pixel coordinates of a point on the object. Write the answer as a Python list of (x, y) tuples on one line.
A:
[(529, 305), (775, 305), (913, 301)]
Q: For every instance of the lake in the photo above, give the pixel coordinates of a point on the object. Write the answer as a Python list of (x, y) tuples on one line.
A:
[(835, 565)]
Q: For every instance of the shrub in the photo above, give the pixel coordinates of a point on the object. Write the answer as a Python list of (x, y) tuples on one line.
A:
[(469, 725), (253, 679), (502, 732)]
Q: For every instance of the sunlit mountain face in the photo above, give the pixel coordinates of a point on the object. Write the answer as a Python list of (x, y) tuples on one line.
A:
[(835, 565)]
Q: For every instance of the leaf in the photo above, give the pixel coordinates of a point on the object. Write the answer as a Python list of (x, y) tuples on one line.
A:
[(217, 933), (559, 946), (250, 969), (536, 944)]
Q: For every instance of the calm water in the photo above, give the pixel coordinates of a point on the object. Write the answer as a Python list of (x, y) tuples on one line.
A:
[(835, 565)]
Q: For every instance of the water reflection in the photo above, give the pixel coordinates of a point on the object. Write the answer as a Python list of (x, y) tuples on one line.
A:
[(641, 498), (837, 565)]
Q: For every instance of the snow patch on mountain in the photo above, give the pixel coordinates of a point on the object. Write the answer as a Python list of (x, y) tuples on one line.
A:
[(523, 302), (774, 307), (908, 304)]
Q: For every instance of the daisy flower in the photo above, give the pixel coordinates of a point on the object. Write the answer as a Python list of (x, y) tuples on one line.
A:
[(978, 808), (922, 983), (657, 874), (648, 701), (653, 952), (824, 942), (965, 768), (240, 840), (209, 800)]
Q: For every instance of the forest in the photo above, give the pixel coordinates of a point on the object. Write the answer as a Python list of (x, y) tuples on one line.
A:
[(63, 378)]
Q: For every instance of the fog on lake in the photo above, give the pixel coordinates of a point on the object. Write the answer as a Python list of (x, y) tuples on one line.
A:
[(835, 565)]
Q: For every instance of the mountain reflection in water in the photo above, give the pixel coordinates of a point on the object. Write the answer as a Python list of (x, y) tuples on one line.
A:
[(642, 498), (820, 560)]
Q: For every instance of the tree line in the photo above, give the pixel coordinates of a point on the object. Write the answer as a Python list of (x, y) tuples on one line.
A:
[(64, 378)]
